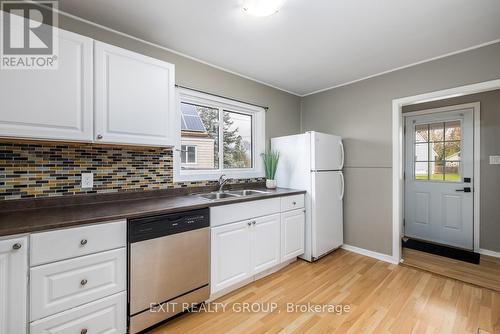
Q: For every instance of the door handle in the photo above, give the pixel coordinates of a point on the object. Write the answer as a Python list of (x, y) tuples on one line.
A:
[(465, 190)]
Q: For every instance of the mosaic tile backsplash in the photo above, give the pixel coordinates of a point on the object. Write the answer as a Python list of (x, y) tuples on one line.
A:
[(29, 170)]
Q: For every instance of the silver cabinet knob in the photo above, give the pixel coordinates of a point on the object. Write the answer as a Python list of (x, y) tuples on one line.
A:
[(294, 203), (17, 246), (99, 136), (83, 242), (249, 223), (254, 222), (83, 331), (83, 282)]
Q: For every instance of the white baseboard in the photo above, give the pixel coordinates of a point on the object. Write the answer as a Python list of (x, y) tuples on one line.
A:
[(489, 253), (369, 253)]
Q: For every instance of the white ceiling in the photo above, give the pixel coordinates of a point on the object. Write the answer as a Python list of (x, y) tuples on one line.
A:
[(309, 45)]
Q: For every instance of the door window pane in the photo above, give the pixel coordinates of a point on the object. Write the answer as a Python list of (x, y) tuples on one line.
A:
[(437, 151), (436, 131), (421, 170), (452, 151), (421, 133), (453, 131), (199, 137), (436, 170), (237, 140), (422, 152), (452, 171)]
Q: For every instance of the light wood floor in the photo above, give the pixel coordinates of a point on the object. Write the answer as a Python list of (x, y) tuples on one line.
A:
[(485, 274), (384, 298)]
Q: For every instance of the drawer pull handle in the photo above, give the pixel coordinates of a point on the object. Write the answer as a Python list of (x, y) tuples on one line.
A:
[(83, 282), (294, 203), (83, 242), (17, 246), (83, 331), (249, 223), (254, 222)]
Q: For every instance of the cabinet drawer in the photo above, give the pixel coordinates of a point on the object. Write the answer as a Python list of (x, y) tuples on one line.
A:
[(63, 244), (231, 213), (107, 315), (292, 202), (63, 285)]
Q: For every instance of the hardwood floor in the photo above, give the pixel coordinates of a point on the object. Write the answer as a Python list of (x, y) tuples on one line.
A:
[(486, 274), (383, 298)]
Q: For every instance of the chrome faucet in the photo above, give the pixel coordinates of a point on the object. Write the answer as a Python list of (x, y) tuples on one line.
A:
[(222, 182)]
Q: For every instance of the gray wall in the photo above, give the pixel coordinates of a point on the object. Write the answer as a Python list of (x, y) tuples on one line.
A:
[(283, 117), (361, 113), (490, 174)]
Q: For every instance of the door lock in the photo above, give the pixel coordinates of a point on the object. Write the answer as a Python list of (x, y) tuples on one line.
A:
[(465, 190)]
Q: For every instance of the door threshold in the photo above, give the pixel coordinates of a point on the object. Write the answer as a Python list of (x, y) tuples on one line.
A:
[(442, 250)]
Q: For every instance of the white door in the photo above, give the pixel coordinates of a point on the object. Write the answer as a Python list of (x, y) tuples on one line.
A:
[(13, 285), (292, 234), (439, 181), (230, 254), (134, 94), (51, 104), (327, 152), (265, 247), (327, 212)]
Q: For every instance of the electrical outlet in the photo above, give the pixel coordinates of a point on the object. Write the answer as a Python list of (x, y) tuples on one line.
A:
[(87, 180), (494, 159)]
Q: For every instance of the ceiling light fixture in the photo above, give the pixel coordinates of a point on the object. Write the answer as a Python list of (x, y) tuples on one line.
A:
[(262, 7)]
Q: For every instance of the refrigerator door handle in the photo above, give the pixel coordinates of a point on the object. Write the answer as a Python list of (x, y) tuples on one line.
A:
[(343, 185), (341, 154)]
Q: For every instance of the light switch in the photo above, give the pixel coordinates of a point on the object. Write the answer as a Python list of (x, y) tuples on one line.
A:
[(87, 180), (494, 159)]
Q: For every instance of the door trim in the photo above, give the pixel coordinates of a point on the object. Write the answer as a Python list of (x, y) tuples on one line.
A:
[(397, 148), (476, 164)]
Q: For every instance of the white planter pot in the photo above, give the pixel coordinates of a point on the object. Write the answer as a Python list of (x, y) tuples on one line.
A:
[(271, 184)]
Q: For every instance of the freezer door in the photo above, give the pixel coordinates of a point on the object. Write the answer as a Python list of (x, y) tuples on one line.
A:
[(294, 165), (327, 152), (327, 216)]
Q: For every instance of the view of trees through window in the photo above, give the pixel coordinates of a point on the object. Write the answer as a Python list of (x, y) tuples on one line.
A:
[(200, 127), (437, 151)]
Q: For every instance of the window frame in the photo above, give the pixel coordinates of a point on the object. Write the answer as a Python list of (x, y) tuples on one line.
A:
[(186, 153), (222, 104)]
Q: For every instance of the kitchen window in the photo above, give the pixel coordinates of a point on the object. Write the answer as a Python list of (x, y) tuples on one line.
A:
[(217, 136)]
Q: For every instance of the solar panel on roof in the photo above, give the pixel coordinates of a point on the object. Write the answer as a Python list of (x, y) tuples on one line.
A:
[(191, 120)]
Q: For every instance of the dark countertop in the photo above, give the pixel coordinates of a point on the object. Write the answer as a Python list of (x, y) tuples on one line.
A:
[(45, 218)]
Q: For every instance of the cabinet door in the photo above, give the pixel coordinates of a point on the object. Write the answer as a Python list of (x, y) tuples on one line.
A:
[(134, 96), (13, 285), (265, 248), (292, 234), (230, 255), (51, 104)]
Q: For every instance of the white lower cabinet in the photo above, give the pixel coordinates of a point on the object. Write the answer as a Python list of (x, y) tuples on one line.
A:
[(107, 315), (230, 255), (292, 234), (13, 285), (254, 237), (265, 248)]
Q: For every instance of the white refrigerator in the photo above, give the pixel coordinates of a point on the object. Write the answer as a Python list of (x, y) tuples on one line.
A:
[(313, 161)]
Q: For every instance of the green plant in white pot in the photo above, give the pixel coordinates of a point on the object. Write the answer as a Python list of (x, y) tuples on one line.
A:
[(271, 159)]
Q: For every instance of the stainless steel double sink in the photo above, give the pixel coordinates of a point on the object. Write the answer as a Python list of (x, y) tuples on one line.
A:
[(232, 194)]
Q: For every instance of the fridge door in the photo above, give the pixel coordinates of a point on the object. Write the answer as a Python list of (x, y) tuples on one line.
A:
[(295, 165), (327, 152), (326, 208)]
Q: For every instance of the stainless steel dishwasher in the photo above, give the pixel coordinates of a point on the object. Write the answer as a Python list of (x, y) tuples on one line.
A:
[(169, 261)]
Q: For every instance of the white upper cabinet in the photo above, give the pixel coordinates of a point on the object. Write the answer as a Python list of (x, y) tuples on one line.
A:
[(51, 104), (13, 285), (134, 97)]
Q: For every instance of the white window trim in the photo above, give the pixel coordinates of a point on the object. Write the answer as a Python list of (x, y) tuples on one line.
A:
[(258, 135), (187, 155)]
